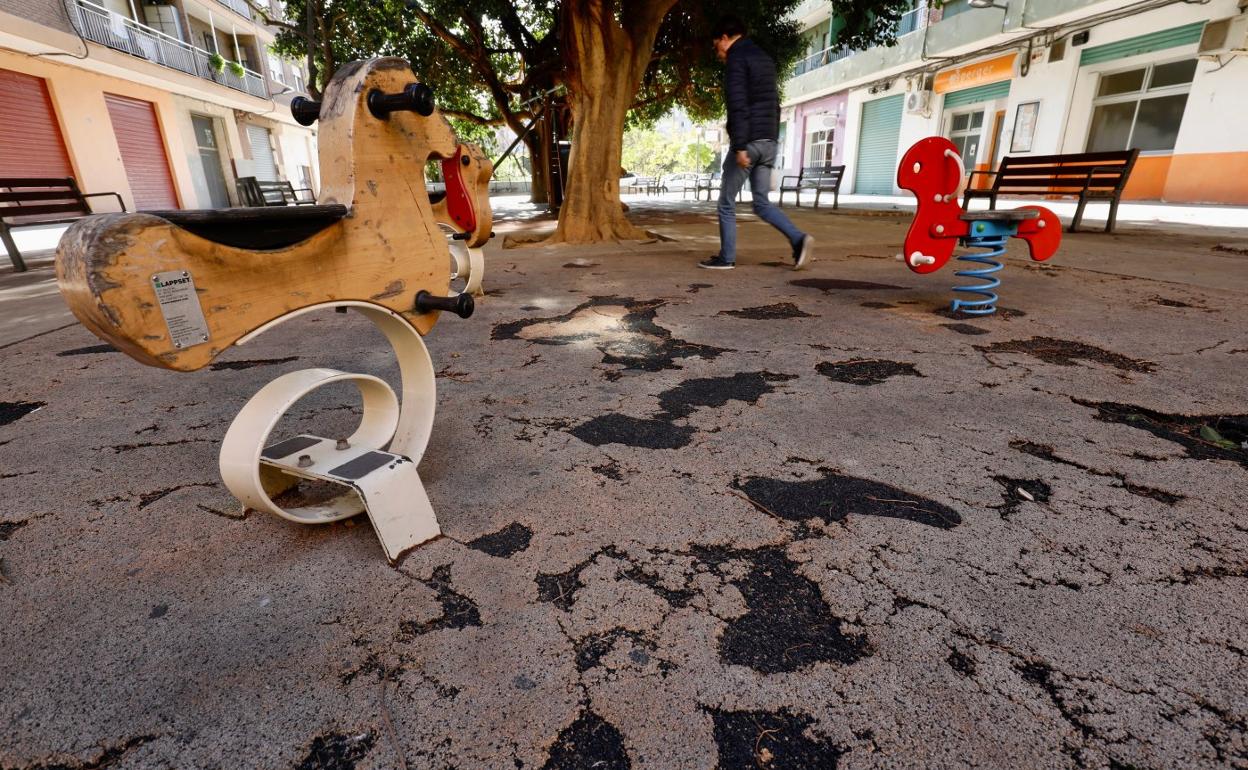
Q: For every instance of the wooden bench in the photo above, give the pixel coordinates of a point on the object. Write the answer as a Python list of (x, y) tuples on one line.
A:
[(817, 178), (256, 192), (31, 201), (1089, 175)]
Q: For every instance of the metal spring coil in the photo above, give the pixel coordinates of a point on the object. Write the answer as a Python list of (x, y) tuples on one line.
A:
[(986, 304)]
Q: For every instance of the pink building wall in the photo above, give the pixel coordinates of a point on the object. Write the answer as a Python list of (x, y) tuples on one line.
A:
[(805, 112)]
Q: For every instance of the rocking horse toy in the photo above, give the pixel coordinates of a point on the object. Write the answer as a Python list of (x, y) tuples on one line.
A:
[(175, 289), (933, 171)]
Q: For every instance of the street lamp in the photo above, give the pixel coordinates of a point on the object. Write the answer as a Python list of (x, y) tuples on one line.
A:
[(987, 4)]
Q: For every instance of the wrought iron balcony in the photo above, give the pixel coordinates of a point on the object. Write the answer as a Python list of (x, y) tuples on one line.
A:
[(97, 23), (910, 21)]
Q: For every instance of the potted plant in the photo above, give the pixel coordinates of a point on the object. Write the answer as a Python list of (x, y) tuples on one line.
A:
[(236, 69), (216, 62)]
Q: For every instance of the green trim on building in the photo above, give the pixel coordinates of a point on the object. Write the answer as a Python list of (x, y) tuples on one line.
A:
[(1188, 34), (977, 94)]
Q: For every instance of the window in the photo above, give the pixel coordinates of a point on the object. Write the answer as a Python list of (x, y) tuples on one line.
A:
[(210, 42), (964, 131), (819, 148), (1141, 107), (298, 78), (275, 69)]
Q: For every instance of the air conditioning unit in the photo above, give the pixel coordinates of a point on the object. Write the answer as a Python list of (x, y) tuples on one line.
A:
[(919, 103), (1224, 37)]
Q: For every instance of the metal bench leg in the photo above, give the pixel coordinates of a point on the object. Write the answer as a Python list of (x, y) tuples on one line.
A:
[(19, 266), (836, 199), (818, 192), (1113, 216), (1074, 223)]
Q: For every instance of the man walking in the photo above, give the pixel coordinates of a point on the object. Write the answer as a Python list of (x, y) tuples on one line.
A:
[(753, 101)]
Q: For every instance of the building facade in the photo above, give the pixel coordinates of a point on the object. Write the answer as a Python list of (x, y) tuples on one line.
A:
[(167, 102), (1034, 77)]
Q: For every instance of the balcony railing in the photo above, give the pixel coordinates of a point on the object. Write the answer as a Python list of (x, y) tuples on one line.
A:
[(910, 21), (820, 58), (105, 27), (237, 6)]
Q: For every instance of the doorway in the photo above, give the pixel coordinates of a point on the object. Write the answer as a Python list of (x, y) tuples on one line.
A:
[(210, 161)]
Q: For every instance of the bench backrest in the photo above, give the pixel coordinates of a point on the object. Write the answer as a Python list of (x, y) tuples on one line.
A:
[(29, 200), (821, 174), (257, 192), (1102, 171)]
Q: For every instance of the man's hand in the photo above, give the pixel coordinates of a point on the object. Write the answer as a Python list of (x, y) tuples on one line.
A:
[(743, 159)]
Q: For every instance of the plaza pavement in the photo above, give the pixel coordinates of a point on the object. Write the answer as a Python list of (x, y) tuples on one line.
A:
[(759, 518)]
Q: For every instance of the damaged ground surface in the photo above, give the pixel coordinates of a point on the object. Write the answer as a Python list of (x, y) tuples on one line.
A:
[(755, 519)]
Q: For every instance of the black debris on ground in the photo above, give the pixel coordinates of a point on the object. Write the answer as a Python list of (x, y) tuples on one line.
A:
[(1004, 313), (458, 611), (507, 542), (865, 371), (787, 625), (1204, 437), (778, 311), (589, 742), (336, 751), (836, 496), (1045, 452), (877, 305), (770, 740), (633, 431), (12, 411), (685, 398), (1015, 492), (1067, 353)]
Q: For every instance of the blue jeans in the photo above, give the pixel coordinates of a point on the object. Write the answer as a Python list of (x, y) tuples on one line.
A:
[(762, 157)]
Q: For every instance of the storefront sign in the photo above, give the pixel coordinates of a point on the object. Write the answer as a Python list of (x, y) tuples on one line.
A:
[(977, 74)]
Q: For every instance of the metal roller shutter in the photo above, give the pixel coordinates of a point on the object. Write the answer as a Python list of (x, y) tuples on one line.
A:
[(262, 154), (877, 146), (988, 93), (30, 137), (142, 152)]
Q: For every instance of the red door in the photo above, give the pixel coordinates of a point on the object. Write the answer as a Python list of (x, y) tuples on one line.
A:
[(142, 152), (30, 137)]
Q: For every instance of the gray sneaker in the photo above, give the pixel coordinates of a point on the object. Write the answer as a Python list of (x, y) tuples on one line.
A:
[(716, 263), (801, 252)]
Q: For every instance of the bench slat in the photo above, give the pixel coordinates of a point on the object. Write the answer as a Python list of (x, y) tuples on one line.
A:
[(1051, 182), (1082, 157), (38, 195), (7, 212), (65, 182), (1075, 171)]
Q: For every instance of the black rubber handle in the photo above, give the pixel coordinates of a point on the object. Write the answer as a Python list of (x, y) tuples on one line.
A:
[(461, 304), (304, 110), (415, 97)]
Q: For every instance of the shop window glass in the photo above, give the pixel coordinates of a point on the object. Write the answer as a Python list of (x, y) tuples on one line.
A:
[(960, 122), (1111, 127), (964, 131), (1157, 122), (1121, 83), (1141, 108), (1173, 74)]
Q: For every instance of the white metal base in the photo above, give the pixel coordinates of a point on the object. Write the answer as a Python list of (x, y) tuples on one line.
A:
[(376, 465)]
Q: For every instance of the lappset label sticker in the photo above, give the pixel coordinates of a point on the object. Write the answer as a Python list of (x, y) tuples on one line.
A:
[(179, 304)]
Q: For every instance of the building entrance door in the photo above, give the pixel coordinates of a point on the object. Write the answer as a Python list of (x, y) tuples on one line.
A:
[(210, 161), (964, 131)]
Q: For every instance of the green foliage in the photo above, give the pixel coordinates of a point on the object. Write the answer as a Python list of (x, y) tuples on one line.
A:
[(216, 62), (236, 69)]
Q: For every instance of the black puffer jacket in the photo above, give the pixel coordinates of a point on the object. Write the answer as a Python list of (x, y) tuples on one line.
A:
[(751, 94)]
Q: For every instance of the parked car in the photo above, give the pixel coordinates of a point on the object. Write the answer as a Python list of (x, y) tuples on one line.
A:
[(685, 180), (627, 178)]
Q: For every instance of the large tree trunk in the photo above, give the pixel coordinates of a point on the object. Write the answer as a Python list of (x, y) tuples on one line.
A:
[(605, 63), (538, 142)]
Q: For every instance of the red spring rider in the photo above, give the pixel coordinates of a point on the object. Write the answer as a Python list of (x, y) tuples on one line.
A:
[(933, 171)]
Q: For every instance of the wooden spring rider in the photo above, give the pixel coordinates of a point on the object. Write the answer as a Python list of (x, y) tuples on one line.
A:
[(175, 289)]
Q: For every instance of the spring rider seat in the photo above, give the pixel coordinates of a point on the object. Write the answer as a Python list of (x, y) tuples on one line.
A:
[(933, 171), (175, 289)]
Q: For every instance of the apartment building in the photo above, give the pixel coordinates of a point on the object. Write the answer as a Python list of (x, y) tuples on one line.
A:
[(167, 102), (1033, 77)]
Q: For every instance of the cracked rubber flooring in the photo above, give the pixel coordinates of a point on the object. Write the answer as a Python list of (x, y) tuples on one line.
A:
[(754, 520)]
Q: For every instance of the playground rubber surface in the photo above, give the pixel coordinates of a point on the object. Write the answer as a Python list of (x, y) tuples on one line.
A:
[(758, 519)]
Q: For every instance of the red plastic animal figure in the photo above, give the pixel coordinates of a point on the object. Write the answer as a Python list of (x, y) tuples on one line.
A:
[(933, 171)]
